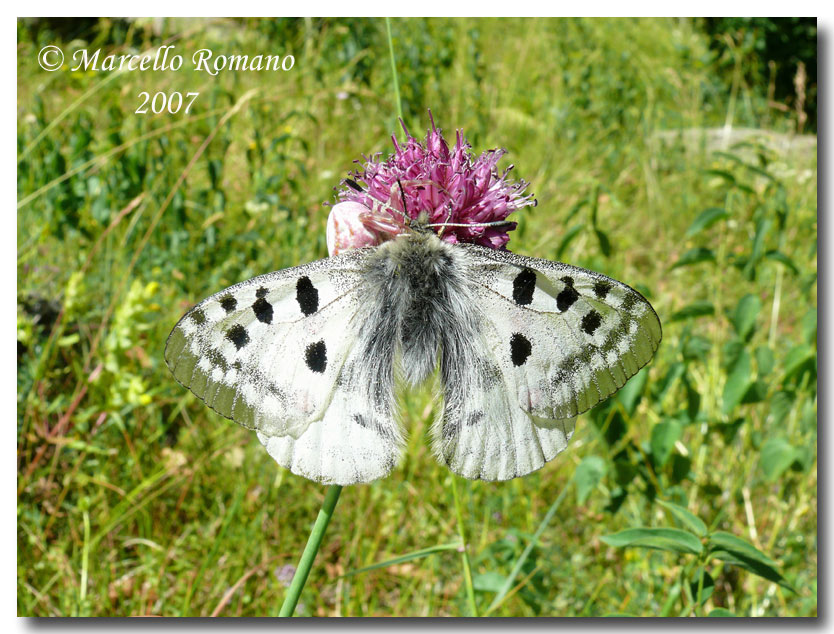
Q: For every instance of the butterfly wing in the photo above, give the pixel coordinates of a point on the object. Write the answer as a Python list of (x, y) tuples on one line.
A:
[(276, 354), (558, 339)]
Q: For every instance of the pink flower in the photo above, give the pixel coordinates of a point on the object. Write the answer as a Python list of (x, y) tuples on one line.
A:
[(449, 186)]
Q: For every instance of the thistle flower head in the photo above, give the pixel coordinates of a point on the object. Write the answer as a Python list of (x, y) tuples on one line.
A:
[(447, 185)]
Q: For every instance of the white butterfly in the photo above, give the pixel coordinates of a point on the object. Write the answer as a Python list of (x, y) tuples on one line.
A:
[(309, 357)]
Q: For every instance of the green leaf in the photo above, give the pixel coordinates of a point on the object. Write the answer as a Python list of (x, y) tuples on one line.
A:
[(721, 613), (706, 219), (721, 540), (416, 554), (685, 517), (707, 586), (734, 550), (664, 436), (796, 359), (695, 256), (722, 174), (604, 242), (776, 457), (668, 539), (695, 309), (631, 392), (696, 347), (587, 476), (488, 582), (764, 361), (762, 228), (567, 239), (809, 327), (737, 382), (756, 393), (744, 317), (778, 256)]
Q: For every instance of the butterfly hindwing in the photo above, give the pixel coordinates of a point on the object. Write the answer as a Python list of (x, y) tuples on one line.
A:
[(273, 353)]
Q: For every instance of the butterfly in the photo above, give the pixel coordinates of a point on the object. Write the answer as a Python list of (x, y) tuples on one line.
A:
[(313, 357)]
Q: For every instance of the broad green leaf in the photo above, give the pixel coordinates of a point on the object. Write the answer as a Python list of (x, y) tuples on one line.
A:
[(707, 585), (762, 228), (696, 347), (776, 457), (687, 518), (721, 613), (781, 404), (809, 327), (721, 540), (721, 174), (764, 361), (734, 550), (488, 581), (675, 372), (756, 393), (567, 239), (744, 317), (695, 256), (695, 309), (778, 256), (797, 358), (664, 436), (668, 539), (737, 382), (706, 219), (587, 476), (604, 242), (693, 398), (631, 392)]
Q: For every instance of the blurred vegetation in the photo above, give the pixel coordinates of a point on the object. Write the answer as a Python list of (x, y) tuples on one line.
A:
[(658, 157)]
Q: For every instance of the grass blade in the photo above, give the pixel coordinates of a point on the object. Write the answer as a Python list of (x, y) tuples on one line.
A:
[(508, 584)]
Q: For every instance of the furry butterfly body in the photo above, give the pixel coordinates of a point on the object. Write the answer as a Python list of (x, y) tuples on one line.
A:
[(310, 356)]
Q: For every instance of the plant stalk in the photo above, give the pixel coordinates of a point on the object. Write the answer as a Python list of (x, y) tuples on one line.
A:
[(467, 569), (310, 550)]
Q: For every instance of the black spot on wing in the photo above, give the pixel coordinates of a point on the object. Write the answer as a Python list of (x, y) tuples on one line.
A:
[(601, 289), (567, 297), (520, 349), (315, 356), (237, 335), (261, 292), (591, 321), (228, 303), (263, 310), (306, 295), (523, 287), (198, 316)]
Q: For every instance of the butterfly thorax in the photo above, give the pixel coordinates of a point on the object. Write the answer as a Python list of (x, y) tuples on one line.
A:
[(417, 294)]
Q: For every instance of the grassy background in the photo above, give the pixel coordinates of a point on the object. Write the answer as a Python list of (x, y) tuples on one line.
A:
[(134, 498)]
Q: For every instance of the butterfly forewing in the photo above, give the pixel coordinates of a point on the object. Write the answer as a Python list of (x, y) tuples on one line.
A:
[(269, 352), (570, 337)]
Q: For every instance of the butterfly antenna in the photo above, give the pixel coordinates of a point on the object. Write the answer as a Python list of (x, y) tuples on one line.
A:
[(354, 185), (443, 224), (402, 195), (471, 224)]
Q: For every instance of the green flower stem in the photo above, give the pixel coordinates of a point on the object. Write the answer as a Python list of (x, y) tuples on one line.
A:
[(467, 570), (394, 69), (310, 550)]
